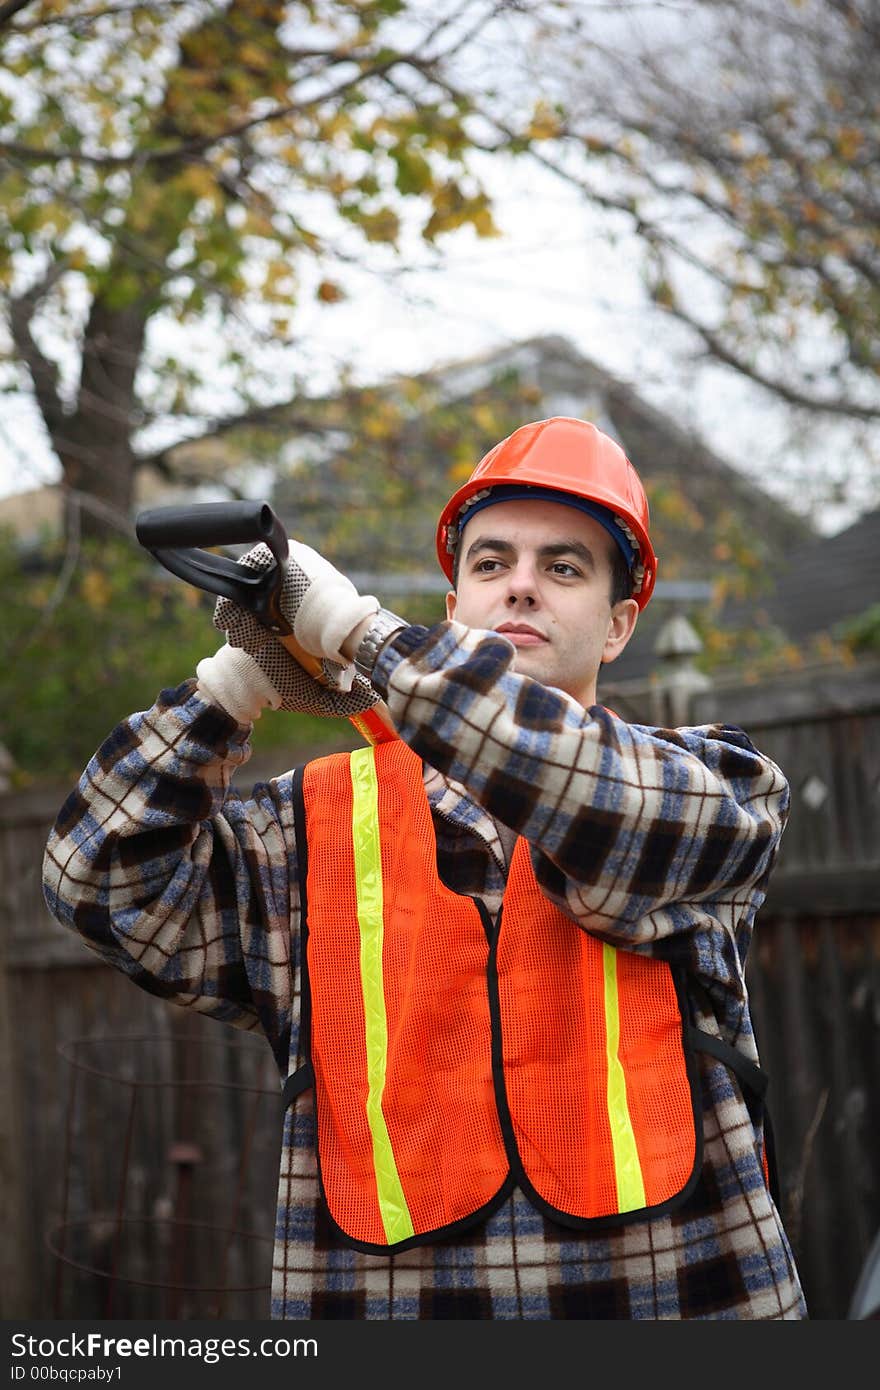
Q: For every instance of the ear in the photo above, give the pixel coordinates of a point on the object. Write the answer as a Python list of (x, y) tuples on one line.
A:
[(621, 627), (450, 604)]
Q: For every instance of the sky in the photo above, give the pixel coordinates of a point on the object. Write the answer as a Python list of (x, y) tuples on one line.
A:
[(557, 269)]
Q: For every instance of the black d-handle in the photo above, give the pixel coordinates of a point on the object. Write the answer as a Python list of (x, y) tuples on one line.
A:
[(175, 535)]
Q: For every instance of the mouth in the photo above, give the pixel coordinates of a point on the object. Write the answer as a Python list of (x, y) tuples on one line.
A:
[(521, 635)]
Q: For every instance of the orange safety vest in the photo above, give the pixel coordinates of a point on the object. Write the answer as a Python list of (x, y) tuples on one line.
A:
[(454, 1056)]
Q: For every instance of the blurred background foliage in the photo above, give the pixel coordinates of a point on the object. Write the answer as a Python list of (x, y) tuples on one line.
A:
[(181, 181), (78, 652)]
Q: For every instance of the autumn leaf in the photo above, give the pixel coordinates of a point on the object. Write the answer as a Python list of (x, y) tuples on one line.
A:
[(95, 589), (545, 123), (329, 292)]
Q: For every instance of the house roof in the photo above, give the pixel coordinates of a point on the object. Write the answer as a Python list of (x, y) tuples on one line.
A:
[(699, 501), (662, 451), (828, 580), (697, 498)]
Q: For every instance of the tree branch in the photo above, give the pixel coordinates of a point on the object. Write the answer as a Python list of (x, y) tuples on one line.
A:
[(267, 417), (86, 18), (43, 372), (11, 8), (188, 150), (840, 406)]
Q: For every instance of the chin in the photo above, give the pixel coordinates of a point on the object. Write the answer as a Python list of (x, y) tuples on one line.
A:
[(536, 669), (554, 680)]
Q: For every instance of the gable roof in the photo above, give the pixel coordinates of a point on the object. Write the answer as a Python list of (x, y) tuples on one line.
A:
[(696, 495), (662, 451), (828, 580)]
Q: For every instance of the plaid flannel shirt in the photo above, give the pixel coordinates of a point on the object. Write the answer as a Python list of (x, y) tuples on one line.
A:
[(656, 840)]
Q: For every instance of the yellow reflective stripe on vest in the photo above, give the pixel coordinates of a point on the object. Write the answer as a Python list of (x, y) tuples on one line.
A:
[(370, 903), (627, 1169)]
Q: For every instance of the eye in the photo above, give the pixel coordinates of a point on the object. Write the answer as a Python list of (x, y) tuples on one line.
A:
[(564, 569), (486, 566)]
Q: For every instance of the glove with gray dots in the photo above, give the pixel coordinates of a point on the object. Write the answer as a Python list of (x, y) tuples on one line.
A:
[(254, 670)]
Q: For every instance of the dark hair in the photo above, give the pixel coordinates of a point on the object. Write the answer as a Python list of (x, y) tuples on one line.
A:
[(621, 577)]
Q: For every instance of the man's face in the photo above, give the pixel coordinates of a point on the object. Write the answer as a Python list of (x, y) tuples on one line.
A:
[(540, 572)]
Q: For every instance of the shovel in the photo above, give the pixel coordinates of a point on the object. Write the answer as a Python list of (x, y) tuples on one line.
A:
[(181, 538)]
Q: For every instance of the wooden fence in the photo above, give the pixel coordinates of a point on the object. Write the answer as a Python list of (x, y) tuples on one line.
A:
[(814, 972), (139, 1144)]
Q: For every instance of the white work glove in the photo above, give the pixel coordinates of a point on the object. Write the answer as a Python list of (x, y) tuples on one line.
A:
[(329, 609), (255, 671), (321, 605), (244, 685)]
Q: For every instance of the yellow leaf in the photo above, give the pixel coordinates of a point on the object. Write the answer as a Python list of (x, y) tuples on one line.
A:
[(849, 141), (545, 123), (198, 179), (190, 597), (484, 224), (460, 472), (255, 56), (485, 417), (96, 589)]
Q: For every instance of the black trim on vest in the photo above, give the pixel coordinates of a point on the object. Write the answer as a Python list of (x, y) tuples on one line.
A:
[(299, 828), (755, 1082), (748, 1072), (435, 1237), (303, 1079), (753, 1078)]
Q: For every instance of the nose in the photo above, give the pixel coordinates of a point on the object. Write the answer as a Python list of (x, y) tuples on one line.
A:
[(522, 589)]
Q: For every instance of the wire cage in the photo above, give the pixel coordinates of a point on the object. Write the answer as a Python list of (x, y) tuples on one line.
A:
[(169, 1166)]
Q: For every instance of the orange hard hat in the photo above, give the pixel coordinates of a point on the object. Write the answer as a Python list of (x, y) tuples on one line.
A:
[(561, 456)]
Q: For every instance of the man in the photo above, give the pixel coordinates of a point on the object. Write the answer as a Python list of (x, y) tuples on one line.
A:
[(554, 1111)]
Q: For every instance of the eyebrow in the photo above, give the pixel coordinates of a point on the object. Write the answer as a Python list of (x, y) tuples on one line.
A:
[(553, 551)]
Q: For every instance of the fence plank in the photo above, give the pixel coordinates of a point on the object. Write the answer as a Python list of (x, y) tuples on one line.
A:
[(15, 1249)]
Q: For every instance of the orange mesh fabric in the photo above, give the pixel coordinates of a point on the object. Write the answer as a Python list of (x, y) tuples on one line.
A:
[(653, 1059), (438, 1104), (438, 1100), (550, 979), (551, 994)]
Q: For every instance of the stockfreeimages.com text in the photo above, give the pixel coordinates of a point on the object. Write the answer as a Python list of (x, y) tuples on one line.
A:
[(207, 1349)]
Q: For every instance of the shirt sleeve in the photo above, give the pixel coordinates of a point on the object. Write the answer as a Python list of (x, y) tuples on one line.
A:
[(171, 876), (636, 831)]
